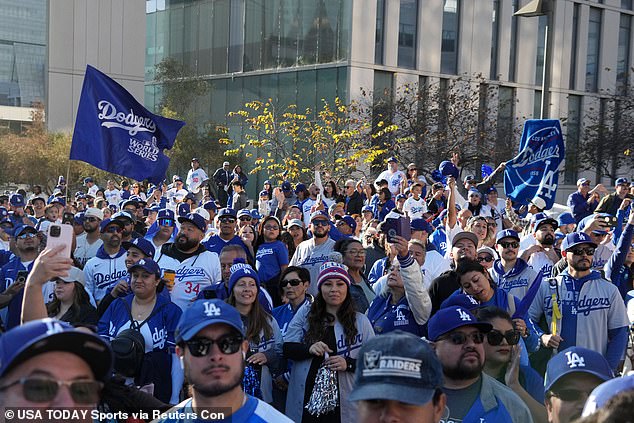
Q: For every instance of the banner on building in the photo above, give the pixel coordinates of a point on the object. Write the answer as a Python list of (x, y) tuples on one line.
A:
[(534, 172), (115, 133)]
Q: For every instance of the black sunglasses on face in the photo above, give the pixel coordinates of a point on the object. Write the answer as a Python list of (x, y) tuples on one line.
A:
[(320, 222), (166, 222), (589, 251), (45, 390), (495, 337), (488, 259), (227, 220), (291, 282), (513, 244), (227, 344), (245, 219), (459, 338)]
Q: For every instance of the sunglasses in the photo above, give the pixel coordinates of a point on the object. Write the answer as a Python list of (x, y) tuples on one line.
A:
[(27, 235), (227, 344), (570, 394), (488, 259), (113, 230), (166, 222), (459, 338), (45, 390), (320, 222), (291, 282), (513, 244), (272, 228), (90, 219), (226, 220), (589, 251), (495, 337), (245, 219)]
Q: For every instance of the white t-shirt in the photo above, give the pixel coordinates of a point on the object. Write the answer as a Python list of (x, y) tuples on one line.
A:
[(195, 178), (113, 196), (393, 179), (176, 195), (84, 251), (415, 208)]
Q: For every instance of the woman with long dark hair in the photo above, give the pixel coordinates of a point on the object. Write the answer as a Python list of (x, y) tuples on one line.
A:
[(71, 302), (331, 193), (271, 257), (385, 203), (328, 332), (262, 332)]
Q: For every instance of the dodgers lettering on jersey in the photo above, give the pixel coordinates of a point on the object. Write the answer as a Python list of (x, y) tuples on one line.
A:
[(104, 280), (344, 349)]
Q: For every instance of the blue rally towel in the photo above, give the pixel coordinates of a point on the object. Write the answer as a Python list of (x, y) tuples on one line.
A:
[(115, 133), (486, 170), (534, 172)]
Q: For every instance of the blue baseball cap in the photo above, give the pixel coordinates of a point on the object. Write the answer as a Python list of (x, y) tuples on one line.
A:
[(392, 159), (142, 244), (474, 191), (20, 229), (565, 219), (397, 366), (202, 313), (605, 392), (148, 265), (545, 221), (576, 238), (58, 200), (538, 216), (576, 360), (461, 300), (79, 218), (255, 214), (621, 181), (210, 205), (16, 200), (86, 180), (318, 214), (300, 187), (123, 215), (450, 318), (106, 222), (184, 209), (242, 270), (421, 225), (286, 186), (227, 212), (447, 168), (401, 197), (506, 233), (195, 219), (263, 193), (41, 336), (348, 220), (367, 209), (129, 202), (492, 189), (244, 212), (165, 214)]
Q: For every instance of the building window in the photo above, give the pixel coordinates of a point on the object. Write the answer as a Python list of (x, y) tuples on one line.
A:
[(495, 30), (626, 4), (380, 32), (539, 60), (623, 54), (573, 48), (594, 42), (407, 22), (573, 126), (512, 53), (450, 30), (505, 144)]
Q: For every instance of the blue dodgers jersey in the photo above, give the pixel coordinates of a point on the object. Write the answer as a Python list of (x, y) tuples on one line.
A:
[(387, 317), (269, 259)]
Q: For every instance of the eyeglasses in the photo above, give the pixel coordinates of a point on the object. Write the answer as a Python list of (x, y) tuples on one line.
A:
[(495, 337), (570, 394), (166, 222), (90, 219), (271, 228), (356, 252), (320, 222), (459, 338), (488, 259), (291, 282), (45, 390), (27, 235), (349, 187), (341, 223), (113, 230), (245, 218), (513, 244), (589, 251), (228, 344), (226, 220)]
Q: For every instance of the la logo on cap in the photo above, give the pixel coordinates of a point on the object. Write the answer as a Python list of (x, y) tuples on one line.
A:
[(575, 360), (211, 309), (463, 315)]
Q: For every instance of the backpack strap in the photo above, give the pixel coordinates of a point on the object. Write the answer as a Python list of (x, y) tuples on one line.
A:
[(137, 326)]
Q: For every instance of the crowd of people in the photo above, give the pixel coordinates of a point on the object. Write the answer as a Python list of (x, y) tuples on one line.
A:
[(319, 301)]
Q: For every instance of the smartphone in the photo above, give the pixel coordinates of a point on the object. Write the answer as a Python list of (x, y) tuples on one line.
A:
[(60, 234), (68, 218), (397, 227), (21, 276), (609, 221)]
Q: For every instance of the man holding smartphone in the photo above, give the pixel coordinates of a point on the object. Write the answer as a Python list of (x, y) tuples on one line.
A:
[(13, 274)]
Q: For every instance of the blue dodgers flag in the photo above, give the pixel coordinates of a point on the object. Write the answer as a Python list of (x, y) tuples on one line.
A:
[(115, 133), (534, 172)]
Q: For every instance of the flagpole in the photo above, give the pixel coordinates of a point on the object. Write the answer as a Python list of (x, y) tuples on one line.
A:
[(67, 179)]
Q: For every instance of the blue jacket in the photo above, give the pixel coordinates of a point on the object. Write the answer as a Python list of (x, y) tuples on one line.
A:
[(579, 206), (387, 317), (615, 269), (517, 280), (8, 275)]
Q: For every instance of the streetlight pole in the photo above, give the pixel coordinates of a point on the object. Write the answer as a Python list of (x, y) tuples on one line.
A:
[(542, 8)]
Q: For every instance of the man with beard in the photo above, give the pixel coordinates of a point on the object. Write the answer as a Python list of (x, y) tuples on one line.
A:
[(108, 267), (12, 280), (227, 221), (313, 252), (590, 312), (542, 256), (463, 246), (127, 219), (196, 268), (88, 243), (211, 345), (511, 273), (472, 395), (166, 225)]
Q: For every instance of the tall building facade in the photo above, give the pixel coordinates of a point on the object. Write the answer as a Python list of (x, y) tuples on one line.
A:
[(45, 47), (299, 51)]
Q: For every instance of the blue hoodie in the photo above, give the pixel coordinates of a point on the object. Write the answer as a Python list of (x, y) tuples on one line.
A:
[(517, 280), (8, 275), (615, 269)]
